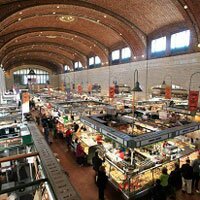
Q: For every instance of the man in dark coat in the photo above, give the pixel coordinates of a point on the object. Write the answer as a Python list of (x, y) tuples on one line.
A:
[(96, 162), (175, 181), (187, 175), (102, 182)]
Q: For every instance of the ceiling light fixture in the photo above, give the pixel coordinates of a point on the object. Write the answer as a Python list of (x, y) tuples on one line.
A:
[(20, 13), (104, 16), (67, 18), (120, 34), (57, 6), (51, 36), (134, 57), (19, 19), (185, 7), (198, 45), (98, 21), (54, 13), (143, 56)]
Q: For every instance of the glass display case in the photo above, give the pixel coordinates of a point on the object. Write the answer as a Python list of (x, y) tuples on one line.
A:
[(134, 182)]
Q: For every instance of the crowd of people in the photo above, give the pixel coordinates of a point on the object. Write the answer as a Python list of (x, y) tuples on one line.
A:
[(186, 178)]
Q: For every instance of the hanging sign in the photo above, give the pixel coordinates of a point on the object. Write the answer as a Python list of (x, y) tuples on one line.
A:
[(168, 92), (111, 91), (79, 87), (89, 88), (193, 100), (25, 102)]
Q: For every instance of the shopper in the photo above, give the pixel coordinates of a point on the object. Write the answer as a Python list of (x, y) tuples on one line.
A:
[(80, 155), (54, 128), (46, 133), (175, 181), (187, 174), (197, 144), (75, 144), (102, 182), (97, 163), (157, 192), (127, 155), (76, 127), (68, 136), (196, 173), (164, 179)]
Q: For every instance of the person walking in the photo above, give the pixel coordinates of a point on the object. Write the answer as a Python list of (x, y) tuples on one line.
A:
[(102, 182), (46, 132), (80, 155), (187, 175), (196, 173), (175, 181)]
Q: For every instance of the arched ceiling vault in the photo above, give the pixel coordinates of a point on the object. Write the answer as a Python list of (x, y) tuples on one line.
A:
[(59, 57), (36, 56), (49, 65), (75, 30), (68, 52)]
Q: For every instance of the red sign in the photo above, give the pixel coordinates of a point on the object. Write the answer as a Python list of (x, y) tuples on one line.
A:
[(79, 87), (89, 87), (111, 91), (25, 97), (168, 92), (193, 100)]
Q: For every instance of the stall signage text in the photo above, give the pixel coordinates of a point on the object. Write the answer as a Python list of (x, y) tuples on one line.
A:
[(110, 135), (188, 130), (154, 140)]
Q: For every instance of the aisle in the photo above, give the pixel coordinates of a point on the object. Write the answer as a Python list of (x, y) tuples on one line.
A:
[(82, 178)]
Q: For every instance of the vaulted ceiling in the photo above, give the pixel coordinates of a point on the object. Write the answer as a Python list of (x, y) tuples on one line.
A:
[(57, 33)]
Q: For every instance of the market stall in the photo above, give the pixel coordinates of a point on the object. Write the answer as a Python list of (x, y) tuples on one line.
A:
[(148, 153)]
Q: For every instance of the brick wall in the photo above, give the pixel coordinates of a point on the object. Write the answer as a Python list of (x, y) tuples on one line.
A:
[(151, 73)]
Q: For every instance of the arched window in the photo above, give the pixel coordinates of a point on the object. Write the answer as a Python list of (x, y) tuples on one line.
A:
[(25, 76)]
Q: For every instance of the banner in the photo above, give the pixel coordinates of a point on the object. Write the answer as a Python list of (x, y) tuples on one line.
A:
[(79, 88), (193, 100), (111, 91), (168, 92), (89, 88), (25, 103)]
